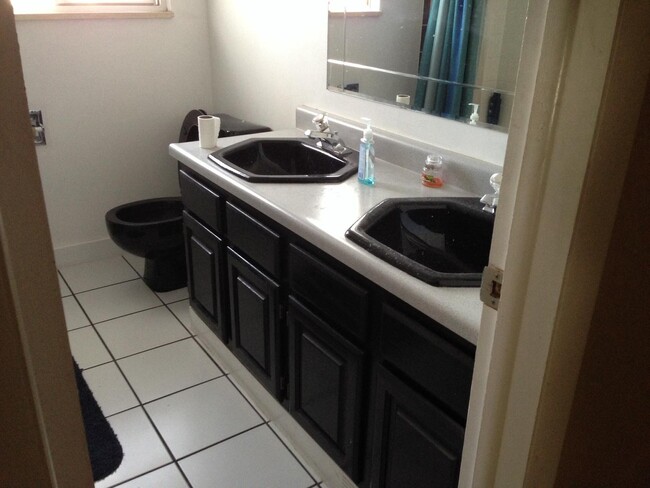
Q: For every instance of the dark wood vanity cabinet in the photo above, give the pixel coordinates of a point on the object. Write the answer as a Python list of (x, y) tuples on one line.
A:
[(255, 321), (416, 347), (205, 253), (415, 443), (383, 389), (325, 385), (420, 398), (253, 282), (328, 328), (233, 264), (337, 296)]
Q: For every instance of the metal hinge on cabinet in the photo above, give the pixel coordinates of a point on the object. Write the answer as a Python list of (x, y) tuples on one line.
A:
[(491, 286)]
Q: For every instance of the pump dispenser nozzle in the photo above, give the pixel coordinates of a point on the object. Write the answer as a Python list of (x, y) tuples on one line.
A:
[(367, 132), (474, 117)]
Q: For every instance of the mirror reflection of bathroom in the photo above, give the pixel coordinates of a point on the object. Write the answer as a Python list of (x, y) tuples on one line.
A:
[(432, 56)]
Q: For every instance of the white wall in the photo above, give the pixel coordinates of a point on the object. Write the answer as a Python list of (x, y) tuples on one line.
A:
[(113, 95), (269, 57), (114, 92), (389, 41)]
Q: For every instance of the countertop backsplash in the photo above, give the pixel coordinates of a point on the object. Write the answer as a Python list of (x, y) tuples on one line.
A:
[(470, 174)]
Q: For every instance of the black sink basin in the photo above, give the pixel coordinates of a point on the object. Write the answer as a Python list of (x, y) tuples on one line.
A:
[(284, 161), (441, 241)]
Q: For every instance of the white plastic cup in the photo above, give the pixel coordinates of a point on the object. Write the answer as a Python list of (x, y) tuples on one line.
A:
[(403, 99), (209, 127)]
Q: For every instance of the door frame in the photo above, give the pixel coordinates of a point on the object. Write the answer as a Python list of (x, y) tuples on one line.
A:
[(579, 93), (43, 441)]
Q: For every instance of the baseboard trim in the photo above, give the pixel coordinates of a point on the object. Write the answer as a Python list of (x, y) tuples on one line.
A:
[(86, 251), (307, 450)]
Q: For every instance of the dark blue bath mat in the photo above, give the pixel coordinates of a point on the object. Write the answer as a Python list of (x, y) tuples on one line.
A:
[(103, 446)]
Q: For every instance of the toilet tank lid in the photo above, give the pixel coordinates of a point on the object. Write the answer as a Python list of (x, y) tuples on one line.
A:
[(189, 123)]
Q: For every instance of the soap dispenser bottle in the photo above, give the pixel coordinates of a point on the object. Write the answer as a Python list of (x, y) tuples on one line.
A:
[(366, 173)]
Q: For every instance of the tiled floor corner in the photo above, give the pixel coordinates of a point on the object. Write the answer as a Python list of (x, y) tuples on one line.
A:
[(182, 421)]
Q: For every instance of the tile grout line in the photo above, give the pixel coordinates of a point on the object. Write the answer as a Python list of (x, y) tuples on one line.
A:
[(154, 292), (165, 445), (144, 410), (126, 314), (137, 397), (182, 390), (122, 483), (141, 404), (175, 341), (259, 413), (58, 272), (266, 422), (132, 267), (163, 302), (178, 319), (104, 286), (209, 355), (182, 458), (292, 453), (83, 310)]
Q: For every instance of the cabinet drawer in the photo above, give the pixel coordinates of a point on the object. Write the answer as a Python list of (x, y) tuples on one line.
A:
[(339, 299), (255, 239), (203, 202), (431, 361)]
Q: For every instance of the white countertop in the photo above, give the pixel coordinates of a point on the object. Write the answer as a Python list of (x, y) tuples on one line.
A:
[(322, 212)]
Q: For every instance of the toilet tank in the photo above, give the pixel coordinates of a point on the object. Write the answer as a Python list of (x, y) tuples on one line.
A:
[(230, 126)]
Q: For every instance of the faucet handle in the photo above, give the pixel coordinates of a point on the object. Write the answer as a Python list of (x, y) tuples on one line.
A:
[(321, 122), (495, 182), (492, 200)]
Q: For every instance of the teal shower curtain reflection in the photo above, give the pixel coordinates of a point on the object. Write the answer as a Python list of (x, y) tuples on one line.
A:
[(449, 52)]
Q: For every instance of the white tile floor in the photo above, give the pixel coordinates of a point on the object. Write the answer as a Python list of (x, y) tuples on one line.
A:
[(181, 420)]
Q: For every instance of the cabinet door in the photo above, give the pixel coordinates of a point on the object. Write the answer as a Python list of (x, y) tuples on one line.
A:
[(414, 443), (206, 275), (434, 363), (325, 385), (255, 317)]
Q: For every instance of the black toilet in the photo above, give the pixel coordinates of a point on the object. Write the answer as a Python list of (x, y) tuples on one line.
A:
[(153, 229)]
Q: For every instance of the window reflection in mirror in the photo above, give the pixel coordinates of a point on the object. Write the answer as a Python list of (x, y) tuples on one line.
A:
[(354, 6), (433, 56)]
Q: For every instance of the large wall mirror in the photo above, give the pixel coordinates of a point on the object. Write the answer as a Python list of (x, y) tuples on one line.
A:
[(433, 56)]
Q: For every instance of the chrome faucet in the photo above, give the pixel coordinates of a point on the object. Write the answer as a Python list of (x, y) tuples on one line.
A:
[(327, 138), (491, 200)]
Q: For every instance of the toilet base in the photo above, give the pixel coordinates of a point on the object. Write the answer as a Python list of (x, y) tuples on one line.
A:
[(166, 272)]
